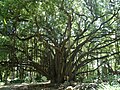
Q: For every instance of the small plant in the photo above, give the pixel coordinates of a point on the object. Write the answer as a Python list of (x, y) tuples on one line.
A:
[(112, 79), (108, 87)]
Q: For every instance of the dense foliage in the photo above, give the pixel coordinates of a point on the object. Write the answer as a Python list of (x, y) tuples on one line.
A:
[(59, 39)]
